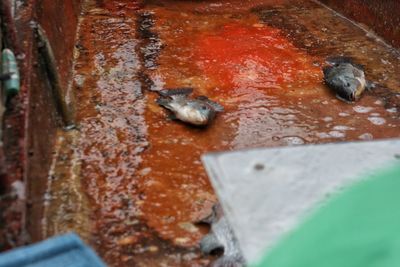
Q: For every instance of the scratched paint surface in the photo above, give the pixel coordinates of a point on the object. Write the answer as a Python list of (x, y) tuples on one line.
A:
[(141, 172)]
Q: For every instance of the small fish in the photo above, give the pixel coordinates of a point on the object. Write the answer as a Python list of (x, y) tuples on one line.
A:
[(199, 111), (221, 239), (346, 78)]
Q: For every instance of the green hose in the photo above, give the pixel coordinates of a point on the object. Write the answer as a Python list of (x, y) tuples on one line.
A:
[(9, 66)]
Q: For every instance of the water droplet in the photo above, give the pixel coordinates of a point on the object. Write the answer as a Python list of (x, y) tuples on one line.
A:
[(366, 136), (144, 171), (337, 134), (188, 226), (385, 62), (181, 240), (377, 120), (276, 138), (323, 135), (293, 140), (47, 197), (342, 128), (362, 109)]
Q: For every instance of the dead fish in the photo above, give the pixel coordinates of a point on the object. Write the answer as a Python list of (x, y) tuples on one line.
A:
[(221, 239), (346, 78), (199, 111)]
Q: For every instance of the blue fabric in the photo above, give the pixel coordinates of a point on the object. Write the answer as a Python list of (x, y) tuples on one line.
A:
[(61, 251)]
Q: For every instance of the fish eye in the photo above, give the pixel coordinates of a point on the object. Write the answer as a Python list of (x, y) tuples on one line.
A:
[(203, 107)]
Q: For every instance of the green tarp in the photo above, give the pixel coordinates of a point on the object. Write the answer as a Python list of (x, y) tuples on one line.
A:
[(358, 227)]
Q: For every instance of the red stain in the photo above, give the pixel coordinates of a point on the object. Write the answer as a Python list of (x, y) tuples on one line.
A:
[(253, 56)]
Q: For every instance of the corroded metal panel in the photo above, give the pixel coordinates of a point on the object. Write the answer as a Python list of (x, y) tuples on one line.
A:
[(383, 17), (30, 120)]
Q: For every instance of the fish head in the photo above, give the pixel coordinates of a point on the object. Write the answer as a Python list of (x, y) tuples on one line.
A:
[(200, 113), (346, 79), (352, 88)]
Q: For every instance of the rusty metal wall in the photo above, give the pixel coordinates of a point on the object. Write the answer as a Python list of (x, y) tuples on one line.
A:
[(383, 17), (59, 20), (31, 119), (13, 207)]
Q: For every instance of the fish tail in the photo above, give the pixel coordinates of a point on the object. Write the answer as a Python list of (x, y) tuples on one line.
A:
[(370, 86), (217, 107), (176, 91)]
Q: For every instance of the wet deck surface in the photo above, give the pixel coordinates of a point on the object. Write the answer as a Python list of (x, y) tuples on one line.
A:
[(130, 180)]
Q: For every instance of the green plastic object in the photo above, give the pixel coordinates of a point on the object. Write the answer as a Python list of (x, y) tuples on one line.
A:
[(9, 66), (359, 227)]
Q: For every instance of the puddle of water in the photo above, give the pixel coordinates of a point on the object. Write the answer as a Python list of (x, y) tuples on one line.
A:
[(260, 59)]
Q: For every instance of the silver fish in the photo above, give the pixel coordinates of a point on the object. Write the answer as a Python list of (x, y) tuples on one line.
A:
[(199, 111), (346, 78)]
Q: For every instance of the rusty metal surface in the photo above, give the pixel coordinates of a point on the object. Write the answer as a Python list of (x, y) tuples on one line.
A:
[(12, 206), (103, 156), (59, 20), (135, 203), (383, 17), (30, 120), (142, 184), (43, 120)]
